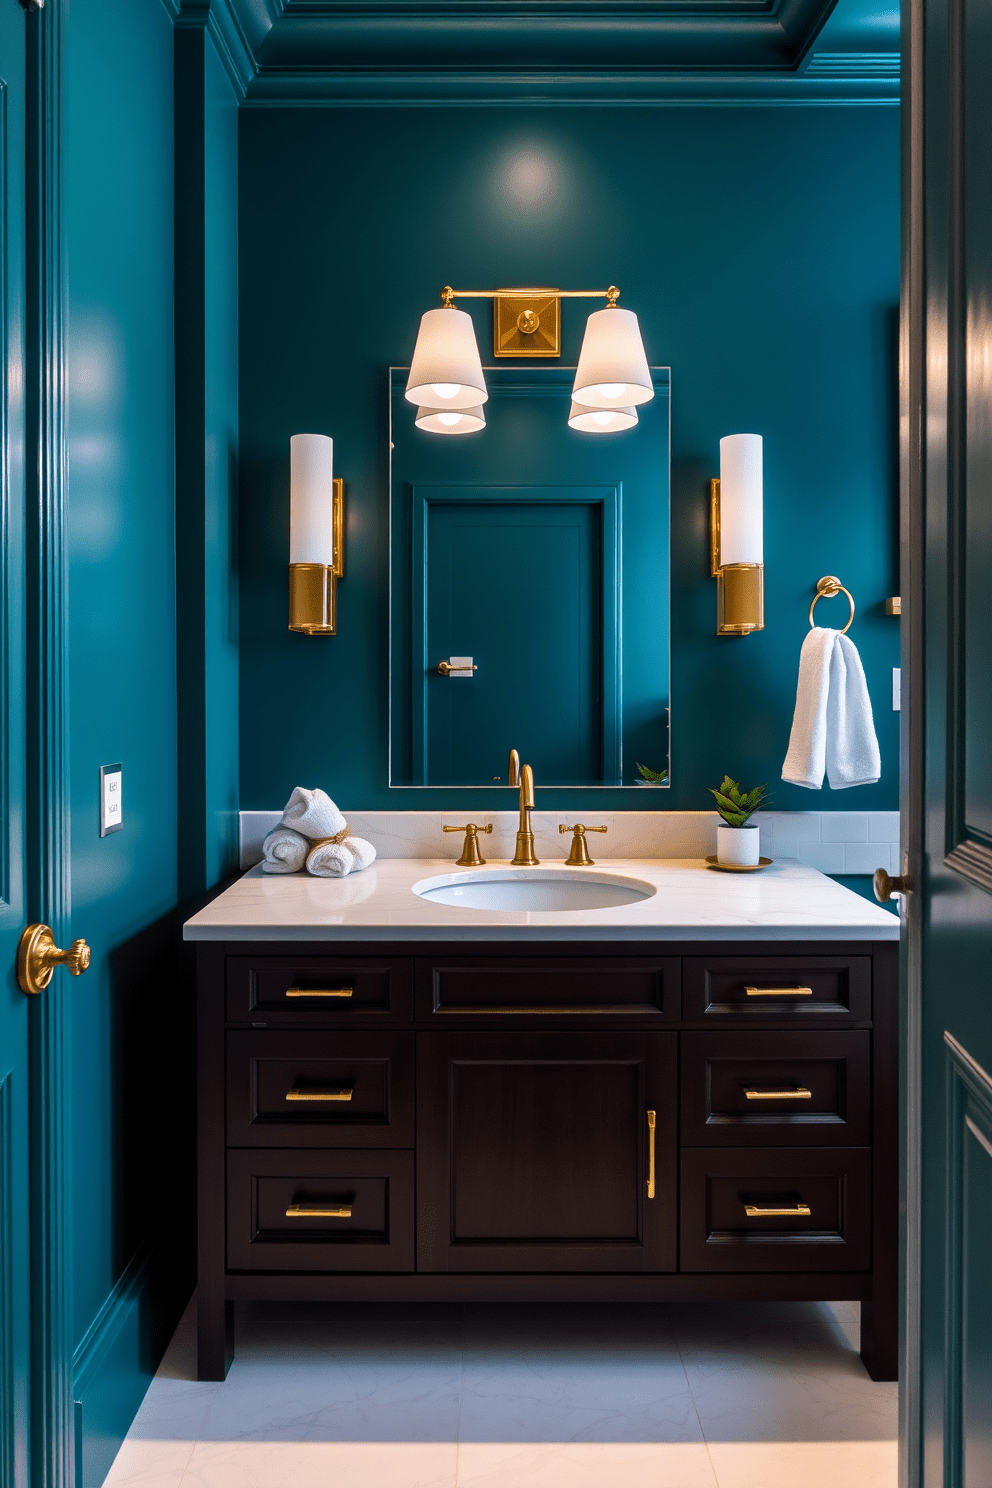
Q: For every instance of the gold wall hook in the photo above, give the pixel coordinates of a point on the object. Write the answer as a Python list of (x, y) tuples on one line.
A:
[(38, 956), (579, 855), (471, 856)]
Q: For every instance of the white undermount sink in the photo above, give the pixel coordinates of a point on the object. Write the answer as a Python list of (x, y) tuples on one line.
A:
[(547, 889)]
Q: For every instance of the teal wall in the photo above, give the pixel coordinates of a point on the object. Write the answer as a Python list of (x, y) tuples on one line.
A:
[(118, 174), (760, 249), (760, 252)]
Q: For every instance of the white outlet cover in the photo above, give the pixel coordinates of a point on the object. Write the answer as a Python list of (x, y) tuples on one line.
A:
[(111, 801)]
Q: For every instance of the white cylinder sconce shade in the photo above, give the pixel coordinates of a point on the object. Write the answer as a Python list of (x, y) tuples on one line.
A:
[(601, 420), (446, 373), (741, 500), (465, 421), (613, 370), (311, 499)]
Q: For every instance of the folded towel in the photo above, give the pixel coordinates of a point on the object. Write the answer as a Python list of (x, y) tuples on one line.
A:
[(313, 813), (284, 851), (338, 859), (832, 728)]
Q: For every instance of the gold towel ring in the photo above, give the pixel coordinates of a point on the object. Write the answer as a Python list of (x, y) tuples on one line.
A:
[(827, 588)]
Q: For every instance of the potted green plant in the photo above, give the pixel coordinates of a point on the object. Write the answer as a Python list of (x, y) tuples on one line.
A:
[(650, 777), (737, 839)]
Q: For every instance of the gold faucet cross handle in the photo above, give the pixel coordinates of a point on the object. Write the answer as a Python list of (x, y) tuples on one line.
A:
[(579, 854), (38, 956), (471, 856)]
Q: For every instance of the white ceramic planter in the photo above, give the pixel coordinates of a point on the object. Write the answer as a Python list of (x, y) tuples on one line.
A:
[(737, 847)]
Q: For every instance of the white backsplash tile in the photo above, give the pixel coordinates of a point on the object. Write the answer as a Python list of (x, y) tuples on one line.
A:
[(817, 838)]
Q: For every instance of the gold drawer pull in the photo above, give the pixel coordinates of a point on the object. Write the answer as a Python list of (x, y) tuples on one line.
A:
[(652, 1122), (753, 1212), (800, 1093), (779, 991), (306, 1211), (309, 992), (338, 1093)]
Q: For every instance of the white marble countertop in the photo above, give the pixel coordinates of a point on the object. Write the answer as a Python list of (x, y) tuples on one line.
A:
[(692, 902)]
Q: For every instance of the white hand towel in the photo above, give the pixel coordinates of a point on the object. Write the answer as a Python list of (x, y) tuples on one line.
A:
[(313, 813), (832, 727), (284, 851), (338, 859)]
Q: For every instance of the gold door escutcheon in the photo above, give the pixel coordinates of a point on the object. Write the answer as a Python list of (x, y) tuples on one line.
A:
[(652, 1122), (38, 956)]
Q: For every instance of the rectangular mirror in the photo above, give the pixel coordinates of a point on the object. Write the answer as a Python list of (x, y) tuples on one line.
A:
[(536, 556)]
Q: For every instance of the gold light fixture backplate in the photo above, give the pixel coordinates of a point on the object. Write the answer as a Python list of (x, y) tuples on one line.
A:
[(527, 323)]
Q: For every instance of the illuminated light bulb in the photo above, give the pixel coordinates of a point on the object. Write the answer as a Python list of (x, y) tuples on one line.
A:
[(445, 389), (603, 418), (449, 418), (611, 390)]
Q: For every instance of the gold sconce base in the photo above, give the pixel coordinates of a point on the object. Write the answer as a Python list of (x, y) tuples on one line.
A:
[(313, 593), (740, 587), (740, 598), (527, 323)]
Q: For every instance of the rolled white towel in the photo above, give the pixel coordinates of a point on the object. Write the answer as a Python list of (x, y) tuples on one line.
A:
[(284, 851), (313, 813), (338, 859)]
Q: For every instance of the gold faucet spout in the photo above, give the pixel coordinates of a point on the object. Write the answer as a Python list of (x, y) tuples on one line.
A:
[(525, 857)]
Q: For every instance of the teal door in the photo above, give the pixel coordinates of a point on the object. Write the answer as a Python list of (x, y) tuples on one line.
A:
[(948, 647), (14, 1179), (525, 581)]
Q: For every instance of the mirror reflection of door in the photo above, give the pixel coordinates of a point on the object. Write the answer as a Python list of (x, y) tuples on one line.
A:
[(542, 553), (524, 580)]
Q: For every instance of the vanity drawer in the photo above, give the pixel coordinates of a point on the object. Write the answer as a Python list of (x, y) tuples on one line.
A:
[(339, 1089), (366, 1199), (776, 1089), (718, 1187), (646, 988), (283, 990), (778, 988)]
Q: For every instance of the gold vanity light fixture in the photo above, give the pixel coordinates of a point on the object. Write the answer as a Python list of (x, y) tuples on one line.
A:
[(446, 376), (316, 535), (737, 536)]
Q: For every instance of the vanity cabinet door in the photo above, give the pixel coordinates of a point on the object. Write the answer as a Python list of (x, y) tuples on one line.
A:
[(533, 1152)]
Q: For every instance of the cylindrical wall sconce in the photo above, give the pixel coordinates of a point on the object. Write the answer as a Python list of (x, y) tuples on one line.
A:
[(737, 536), (316, 535)]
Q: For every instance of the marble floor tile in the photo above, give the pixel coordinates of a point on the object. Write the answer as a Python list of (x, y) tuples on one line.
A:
[(350, 1464), (814, 1464), (148, 1462), (584, 1465)]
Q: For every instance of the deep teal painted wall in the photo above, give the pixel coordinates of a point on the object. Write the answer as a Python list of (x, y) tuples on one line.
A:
[(759, 248)]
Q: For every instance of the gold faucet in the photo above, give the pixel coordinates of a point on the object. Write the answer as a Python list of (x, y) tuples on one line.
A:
[(513, 777), (524, 857)]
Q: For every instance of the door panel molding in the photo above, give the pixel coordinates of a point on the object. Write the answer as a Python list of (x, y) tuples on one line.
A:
[(47, 815), (969, 1135)]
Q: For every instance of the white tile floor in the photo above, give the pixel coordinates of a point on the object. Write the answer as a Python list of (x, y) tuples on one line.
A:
[(689, 1396)]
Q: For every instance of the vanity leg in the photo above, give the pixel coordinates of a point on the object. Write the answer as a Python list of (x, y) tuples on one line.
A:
[(880, 1337), (214, 1338)]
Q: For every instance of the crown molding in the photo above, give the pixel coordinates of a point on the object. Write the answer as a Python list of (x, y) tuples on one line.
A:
[(235, 41)]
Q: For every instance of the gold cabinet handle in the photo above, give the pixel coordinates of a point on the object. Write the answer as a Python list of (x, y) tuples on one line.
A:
[(652, 1122), (308, 1211), (38, 956), (779, 991), (800, 1093), (338, 1093), (753, 1212), (322, 992)]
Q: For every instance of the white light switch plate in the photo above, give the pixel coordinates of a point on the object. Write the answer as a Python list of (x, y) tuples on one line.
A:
[(111, 812), (897, 689)]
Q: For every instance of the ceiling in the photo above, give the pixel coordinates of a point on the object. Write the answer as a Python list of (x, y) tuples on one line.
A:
[(621, 52)]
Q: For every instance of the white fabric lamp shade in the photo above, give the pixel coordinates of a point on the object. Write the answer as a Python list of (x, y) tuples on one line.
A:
[(311, 499), (446, 372), (741, 499), (465, 421), (601, 420), (613, 370)]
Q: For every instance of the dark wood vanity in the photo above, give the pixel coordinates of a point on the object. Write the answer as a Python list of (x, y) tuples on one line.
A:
[(454, 1122)]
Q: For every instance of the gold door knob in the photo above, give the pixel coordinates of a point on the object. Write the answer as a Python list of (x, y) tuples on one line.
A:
[(885, 886), (38, 956)]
